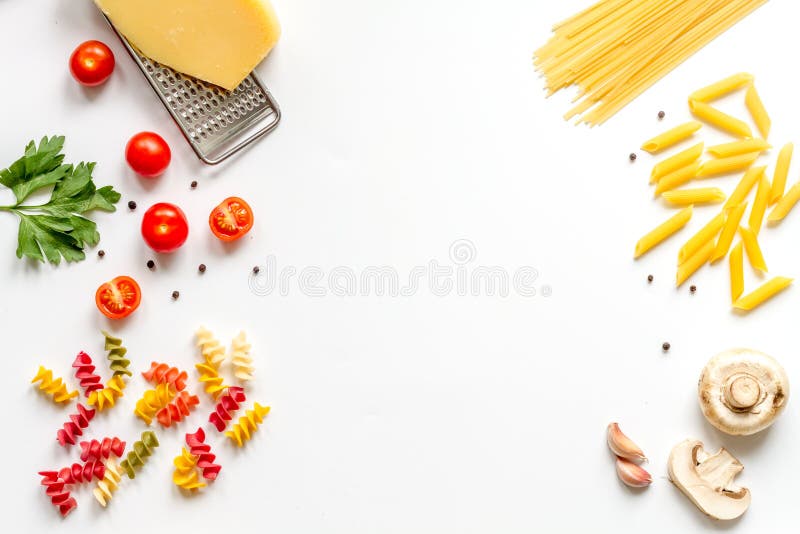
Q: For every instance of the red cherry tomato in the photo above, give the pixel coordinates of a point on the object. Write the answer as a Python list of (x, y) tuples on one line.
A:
[(231, 219), (164, 227), (91, 63), (148, 154), (118, 298)]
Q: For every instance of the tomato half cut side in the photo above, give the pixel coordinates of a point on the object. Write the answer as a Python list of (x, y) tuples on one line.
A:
[(118, 298), (231, 219)]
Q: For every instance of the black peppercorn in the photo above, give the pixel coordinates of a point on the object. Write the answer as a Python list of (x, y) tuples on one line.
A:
[(175, 295), (194, 184), (693, 289), (649, 277), (151, 264), (256, 269), (665, 347), (202, 267), (632, 157), (661, 115), (101, 253), (131, 205)]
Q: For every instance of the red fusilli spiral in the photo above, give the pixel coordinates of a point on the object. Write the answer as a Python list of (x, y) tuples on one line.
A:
[(58, 491), (77, 473), (205, 459), (175, 411), (227, 405), (99, 450), (84, 372), (160, 373), (74, 426)]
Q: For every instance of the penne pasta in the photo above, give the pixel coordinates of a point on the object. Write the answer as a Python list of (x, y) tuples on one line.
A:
[(663, 231), (785, 204), (765, 292), (700, 195), (760, 204), (706, 234), (722, 87), (714, 167), (753, 249), (677, 178), (735, 148), (671, 137), (744, 186), (737, 272), (733, 217), (673, 163), (693, 263), (720, 120), (757, 110), (781, 172)]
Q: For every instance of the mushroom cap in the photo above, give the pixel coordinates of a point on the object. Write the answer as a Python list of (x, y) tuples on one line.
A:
[(742, 391)]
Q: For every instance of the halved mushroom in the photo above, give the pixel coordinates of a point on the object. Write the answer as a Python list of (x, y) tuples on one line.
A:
[(708, 479), (742, 391)]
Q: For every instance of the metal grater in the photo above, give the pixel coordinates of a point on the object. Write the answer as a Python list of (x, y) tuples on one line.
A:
[(216, 122)]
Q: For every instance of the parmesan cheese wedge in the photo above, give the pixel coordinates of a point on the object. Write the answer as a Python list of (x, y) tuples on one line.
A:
[(220, 42)]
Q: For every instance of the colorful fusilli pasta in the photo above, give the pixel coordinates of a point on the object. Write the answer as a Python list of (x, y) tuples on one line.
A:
[(84, 372), (152, 401), (108, 395), (202, 450), (54, 387), (160, 373), (209, 377), (106, 487), (243, 430), (228, 404), (185, 475), (73, 428), (175, 411), (116, 355), (139, 453), (58, 492), (210, 348), (99, 450), (78, 473), (240, 357)]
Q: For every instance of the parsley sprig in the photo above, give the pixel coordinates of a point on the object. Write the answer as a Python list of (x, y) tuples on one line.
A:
[(58, 228)]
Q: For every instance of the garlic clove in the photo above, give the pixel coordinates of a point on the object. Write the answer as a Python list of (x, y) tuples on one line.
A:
[(632, 475), (622, 446)]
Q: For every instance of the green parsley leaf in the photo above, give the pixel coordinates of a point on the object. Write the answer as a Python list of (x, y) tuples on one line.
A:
[(59, 228)]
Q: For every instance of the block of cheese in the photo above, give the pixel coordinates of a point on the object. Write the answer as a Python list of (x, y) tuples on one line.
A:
[(219, 41)]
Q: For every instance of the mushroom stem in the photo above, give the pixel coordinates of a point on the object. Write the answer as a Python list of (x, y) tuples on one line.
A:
[(742, 392)]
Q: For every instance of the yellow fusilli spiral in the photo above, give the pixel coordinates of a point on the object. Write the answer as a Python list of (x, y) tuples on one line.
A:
[(209, 377), (240, 356), (152, 401), (248, 423), (55, 388), (109, 483), (107, 397), (185, 475), (210, 348)]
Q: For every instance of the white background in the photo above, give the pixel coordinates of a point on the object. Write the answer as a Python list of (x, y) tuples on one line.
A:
[(407, 125)]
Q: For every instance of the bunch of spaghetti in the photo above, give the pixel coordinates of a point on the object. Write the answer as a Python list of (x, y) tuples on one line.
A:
[(717, 239), (616, 49)]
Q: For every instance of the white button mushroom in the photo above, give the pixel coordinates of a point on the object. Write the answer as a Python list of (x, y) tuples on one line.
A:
[(708, 479), (742, 391)]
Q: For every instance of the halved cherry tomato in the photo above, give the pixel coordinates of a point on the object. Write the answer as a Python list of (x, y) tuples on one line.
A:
[(118, 298), (164, 227), (231, 219), (91, 63)]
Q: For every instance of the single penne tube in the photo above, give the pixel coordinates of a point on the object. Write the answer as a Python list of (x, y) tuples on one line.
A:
[(677, 178), (693, 263), (744, 186), (765, 292), (699, 195), (719, 119), (663, 231), (759, 204), (735, 148), (753, 249), (785, 204), (722, 87), (781, 172), (715, 167), (757, 110), (671, 137), (707, 233), (728, 232), (737, 272), (675, 162)]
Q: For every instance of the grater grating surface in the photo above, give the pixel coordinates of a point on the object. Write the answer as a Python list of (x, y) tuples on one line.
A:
[(216, 122)]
